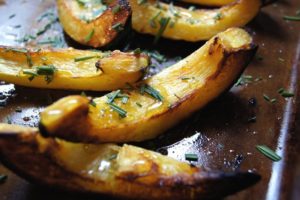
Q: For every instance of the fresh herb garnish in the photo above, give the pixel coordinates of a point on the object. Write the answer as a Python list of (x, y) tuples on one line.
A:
[(152, 20), (89, 36), (137, 51), (218, 16), (116, 9), (268, 152), (284, 93), (244, 79), (31, 74), (191, 157), (163, 22), (151, 91), (47, 70), (122, 113), (138, 104), (291, 18), (11, 16), (118, 27), (84, 58), (3, 178), (173, 10), (111, 96), (93, 103), (140, 2), (29, 60), (267, 98)]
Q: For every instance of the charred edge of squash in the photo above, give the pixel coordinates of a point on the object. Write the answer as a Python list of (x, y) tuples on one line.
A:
[(78, 115)]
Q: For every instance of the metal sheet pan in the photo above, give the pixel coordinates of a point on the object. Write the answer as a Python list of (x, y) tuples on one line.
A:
[(220, 134)]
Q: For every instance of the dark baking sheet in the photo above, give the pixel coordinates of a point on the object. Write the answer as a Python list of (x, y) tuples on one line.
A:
[(220, 134)]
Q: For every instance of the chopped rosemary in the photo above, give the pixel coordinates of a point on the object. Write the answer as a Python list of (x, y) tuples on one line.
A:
[(12, 16), (31, 74), (3, 178), (151, 91), (29, 60), (47, 70), (140, 2), (284, 93), (125, 99), (111, 96), (138, 104), (152, 20), (89, 36), (122, 113), (267, 98), (163, 22), (116, 9), (137, 51), (266, 151), (218, 16), (118, 27), (291, 18), (244, 79), (93, 103), (84, 58), (191, 157)]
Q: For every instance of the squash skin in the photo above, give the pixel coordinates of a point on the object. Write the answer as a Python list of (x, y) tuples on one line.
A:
[(103, 33), (131, 172), (227, 55), (192, 26), (117, 68), (210, 2)]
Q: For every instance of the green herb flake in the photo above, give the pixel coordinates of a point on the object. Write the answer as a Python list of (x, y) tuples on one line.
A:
[(118, 27), (85, 58), (269, 153), (11, 16), (244, 79), (116, 9), (138, 104), (284, 93), (191, 157), (218, 16), (291, 18), (93, 103), (31, 74), (111, 96), (3, 178), (153, 19), (137, 51), (89, 36), (151, 91), (47, 70), (267, 98), (140, 2), (122, 113), (163, 22)]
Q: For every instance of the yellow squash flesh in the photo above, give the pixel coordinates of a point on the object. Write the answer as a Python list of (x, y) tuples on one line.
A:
[(94, 70), (183, 88), (126, 171), (190, 25), (93, 23)]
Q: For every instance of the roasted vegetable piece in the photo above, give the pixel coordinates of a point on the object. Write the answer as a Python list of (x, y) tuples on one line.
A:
[(210, 2), (173, 22), (158, 103), (126, 171), (70, 68), (91, 22)]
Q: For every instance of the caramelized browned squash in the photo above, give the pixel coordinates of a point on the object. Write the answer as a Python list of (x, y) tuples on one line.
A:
[(126, 171), (91, 22), (71, 68), (158, 103)]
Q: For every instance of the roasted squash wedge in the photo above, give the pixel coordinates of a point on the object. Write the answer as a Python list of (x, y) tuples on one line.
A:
[(126, 171), (158, 103), (210, 2), (92, 23), (173, 22), (70, 68)]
